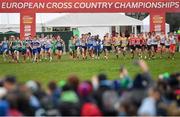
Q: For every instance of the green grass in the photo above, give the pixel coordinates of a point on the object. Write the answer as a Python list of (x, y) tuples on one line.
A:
[(57, 70)]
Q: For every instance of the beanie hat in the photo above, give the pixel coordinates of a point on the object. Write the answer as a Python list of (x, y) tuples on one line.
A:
[(84, 89)]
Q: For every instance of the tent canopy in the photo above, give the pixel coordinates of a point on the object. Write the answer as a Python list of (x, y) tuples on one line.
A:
[(11, 21), (93, 19), (10, 32), (14, 18)]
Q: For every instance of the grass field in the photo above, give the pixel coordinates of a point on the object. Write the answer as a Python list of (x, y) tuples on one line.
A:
[(57, 70)]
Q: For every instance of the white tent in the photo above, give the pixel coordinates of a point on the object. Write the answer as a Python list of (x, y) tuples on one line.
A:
[(146, 25), (96, 23), (9, 27), (94, 19), (11, 21), (101, 31), (16, 27)]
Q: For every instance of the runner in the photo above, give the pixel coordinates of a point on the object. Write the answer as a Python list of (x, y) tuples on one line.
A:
[(43, 42), (59, 47), (39, 47), (144, 37), (167, 45), (132, 44), (117, 44), (72, 47), (155, 40), (35, 48), (77, 46), (124, 43), (29, 47), (23, 50), (48, 48), (90, 44), (172, 47), (18, 48), (5, 48), (53, 49), (139, 46), (96, 47), (106, 45), (149, 45), (83, 46), (15, 46), (162, 43)]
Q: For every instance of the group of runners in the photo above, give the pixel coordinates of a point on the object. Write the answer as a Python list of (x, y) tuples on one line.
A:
[(143, 46), (34, 49)]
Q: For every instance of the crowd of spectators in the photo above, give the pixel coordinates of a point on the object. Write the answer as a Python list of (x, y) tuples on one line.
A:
[(100, 96)]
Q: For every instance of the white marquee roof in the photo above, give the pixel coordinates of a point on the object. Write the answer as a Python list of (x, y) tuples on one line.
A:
[(94, 19), (11, 21)]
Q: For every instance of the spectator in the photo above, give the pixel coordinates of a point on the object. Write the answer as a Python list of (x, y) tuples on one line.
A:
[(54, 92), (125, 80), (73, 81), (4, 105), (90, 109), (148, 106), (10, 83)]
